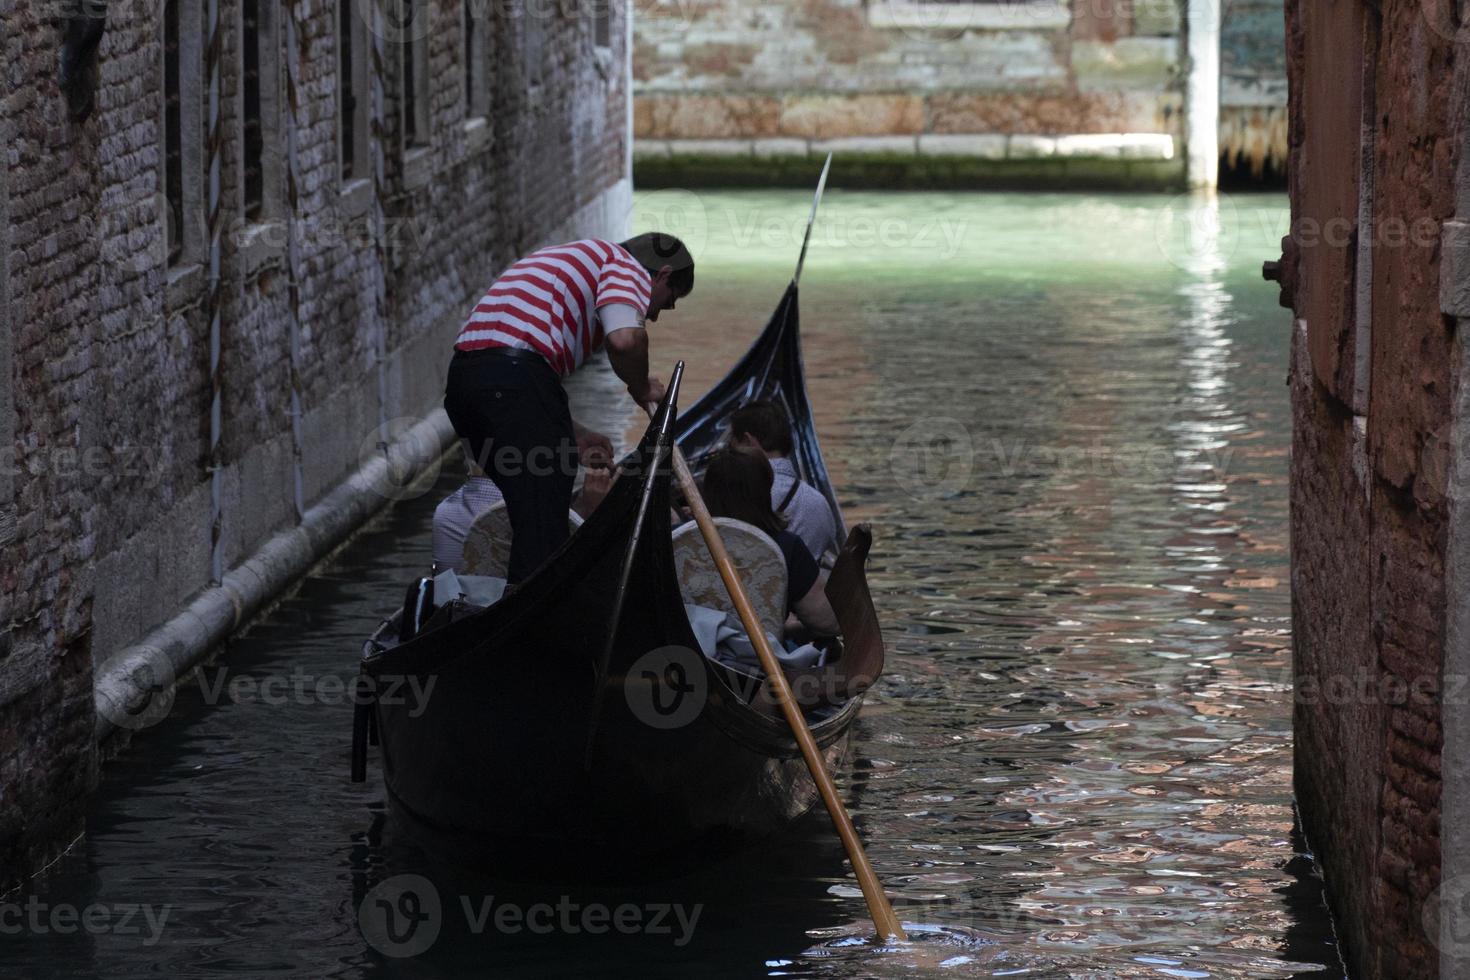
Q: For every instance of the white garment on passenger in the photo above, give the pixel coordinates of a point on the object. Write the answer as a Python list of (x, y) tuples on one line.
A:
[(722, 637), (455, 515)]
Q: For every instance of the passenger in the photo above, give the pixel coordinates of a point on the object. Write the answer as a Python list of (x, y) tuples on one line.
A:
[(457, 512), (762, 426), (737, 483)]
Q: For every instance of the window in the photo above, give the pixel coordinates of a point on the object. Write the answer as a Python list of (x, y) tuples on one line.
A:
[(346, 91), (7, 396), (471, 75), (476, 65), (532, 18), (260, 108), (602, 23), (254, 139), (352, 101), (414, 48), (183, 142), (173, 131)]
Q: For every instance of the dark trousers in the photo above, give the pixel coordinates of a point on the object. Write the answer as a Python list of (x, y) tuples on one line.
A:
[(513, 413)]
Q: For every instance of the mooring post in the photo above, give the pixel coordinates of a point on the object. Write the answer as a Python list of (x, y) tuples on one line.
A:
[(1202, 105)]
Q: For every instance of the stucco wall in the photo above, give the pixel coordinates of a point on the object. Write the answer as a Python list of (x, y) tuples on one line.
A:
[(111, 371), (991, 82), (1253, 137), (901, 79)]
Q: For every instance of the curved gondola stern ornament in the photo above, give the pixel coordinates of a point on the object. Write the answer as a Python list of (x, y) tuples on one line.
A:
[(772, 368), (812, 220)]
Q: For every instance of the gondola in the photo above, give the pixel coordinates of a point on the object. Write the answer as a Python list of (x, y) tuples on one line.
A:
[(577, 713)]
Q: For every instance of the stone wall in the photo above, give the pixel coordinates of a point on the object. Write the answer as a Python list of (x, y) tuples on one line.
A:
[(1378, 128), (1253, 139), (106, 375), (993, 84)]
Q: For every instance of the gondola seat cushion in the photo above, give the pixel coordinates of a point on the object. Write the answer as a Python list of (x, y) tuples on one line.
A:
[(758, 558), (487, 542)]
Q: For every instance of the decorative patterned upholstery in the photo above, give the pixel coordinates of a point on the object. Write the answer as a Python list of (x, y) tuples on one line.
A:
[(487, 542), (761, 564)]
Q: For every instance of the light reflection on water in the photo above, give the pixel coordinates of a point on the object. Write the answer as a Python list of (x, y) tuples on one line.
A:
[(1066, 419)]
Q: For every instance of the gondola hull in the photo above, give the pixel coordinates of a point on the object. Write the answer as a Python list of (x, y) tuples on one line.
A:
[(502, 761), (577, 712)]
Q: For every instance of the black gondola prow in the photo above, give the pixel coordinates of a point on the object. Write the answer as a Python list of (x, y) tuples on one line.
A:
[(663, 447)]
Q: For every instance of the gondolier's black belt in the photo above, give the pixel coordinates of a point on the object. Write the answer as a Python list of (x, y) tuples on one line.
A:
[(510, 353)]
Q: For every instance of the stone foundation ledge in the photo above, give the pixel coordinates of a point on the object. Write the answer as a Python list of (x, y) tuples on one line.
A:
[(986, 146), (1143, 161)]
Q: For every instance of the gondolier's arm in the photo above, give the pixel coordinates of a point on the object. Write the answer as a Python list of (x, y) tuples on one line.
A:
[(627, 350)]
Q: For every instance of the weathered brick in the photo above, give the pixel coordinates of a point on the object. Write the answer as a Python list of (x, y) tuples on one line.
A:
[(109, 357), (1370, 522)]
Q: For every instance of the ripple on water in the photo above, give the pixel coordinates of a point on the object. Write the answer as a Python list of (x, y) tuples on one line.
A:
[(1079, 760)]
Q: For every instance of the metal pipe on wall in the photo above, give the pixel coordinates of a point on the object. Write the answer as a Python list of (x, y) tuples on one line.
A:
[(215, 299)]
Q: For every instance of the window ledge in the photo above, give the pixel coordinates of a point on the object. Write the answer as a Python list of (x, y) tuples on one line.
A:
[(1020, 15), (477, 134), (261, 245), (185, 285), (356, 198), (418, 167)]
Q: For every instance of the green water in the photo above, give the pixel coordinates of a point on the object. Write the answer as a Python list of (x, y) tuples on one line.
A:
[(1066, 419)]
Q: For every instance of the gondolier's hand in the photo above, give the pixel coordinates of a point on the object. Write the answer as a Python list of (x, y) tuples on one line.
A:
[(593, 448), (595, 487), (650, 393)]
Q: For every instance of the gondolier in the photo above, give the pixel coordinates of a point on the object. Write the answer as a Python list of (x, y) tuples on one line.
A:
[(542, 319)]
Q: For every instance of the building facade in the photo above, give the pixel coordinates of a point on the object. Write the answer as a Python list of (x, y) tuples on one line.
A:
[(226, 292), (1036, 92), (1377, 271)]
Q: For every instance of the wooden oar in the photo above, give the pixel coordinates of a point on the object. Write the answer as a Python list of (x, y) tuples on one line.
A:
[(878, 904)]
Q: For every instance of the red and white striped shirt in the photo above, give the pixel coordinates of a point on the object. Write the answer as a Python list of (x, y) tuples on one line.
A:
[(548, 301)]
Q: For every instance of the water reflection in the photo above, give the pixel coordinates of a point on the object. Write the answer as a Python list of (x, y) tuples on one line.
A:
[(1069, 431)]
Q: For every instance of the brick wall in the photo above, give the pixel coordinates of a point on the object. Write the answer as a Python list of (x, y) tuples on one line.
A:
[(1377, 127), (110, 377)]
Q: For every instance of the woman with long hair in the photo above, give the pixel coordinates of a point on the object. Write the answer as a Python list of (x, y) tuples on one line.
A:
[(737, 484)]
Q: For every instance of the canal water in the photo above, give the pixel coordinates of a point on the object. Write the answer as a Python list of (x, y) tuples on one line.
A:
[(1066, 418)]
